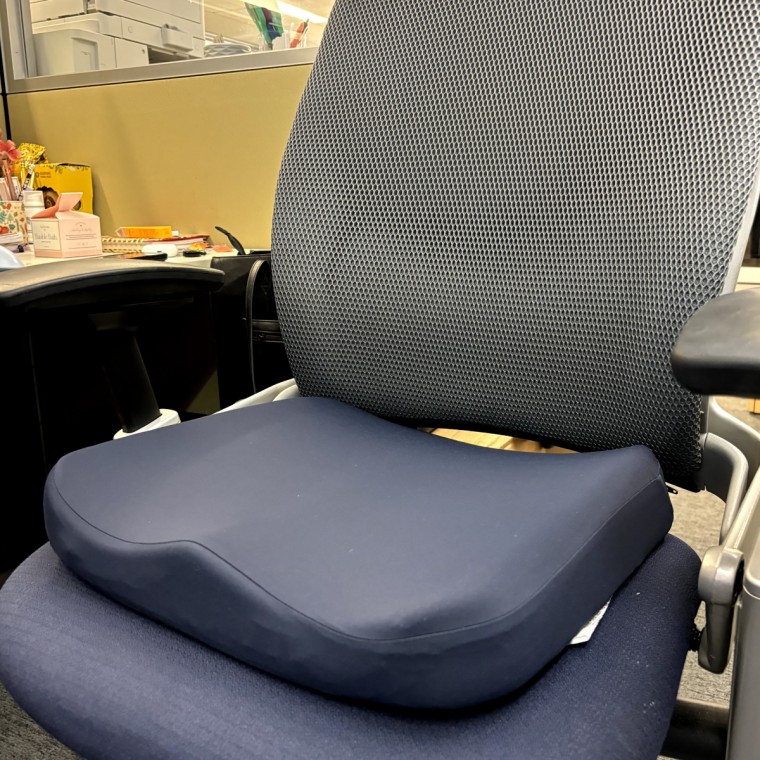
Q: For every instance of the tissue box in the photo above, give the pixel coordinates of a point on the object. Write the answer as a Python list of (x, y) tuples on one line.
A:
[(54, 179), (60, 232)]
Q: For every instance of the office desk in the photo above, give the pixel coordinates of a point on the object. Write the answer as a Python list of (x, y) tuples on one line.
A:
[(233, 378), (29, 259), (58, 400)]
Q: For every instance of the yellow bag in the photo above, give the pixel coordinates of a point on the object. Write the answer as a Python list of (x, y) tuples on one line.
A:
[(54, 179)]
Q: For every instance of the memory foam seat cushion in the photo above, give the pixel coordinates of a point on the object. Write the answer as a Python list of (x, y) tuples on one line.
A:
[(353, 555)]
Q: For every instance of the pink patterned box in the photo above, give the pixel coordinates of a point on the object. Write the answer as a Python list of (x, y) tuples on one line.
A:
[(60, 232)]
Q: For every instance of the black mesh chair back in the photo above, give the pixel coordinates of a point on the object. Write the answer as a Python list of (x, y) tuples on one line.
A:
[(511, 237)]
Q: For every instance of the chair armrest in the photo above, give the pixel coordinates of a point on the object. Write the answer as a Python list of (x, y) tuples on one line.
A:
[(718, 353), (722, 575), (94, 283), (279, 392), (718, 350)]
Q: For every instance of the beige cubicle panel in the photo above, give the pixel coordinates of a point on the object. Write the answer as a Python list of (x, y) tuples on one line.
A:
[(191, 152)]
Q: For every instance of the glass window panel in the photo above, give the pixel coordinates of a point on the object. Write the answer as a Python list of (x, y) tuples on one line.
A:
[(65, 37)]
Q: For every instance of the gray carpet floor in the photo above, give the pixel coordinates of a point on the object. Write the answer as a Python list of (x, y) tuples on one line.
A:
[(697, 521)]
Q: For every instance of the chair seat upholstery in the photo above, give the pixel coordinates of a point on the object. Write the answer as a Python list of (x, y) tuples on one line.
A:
[(356, 556), (113, 685)]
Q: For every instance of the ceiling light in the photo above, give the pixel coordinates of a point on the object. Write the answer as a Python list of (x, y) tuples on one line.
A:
[(295, 12)]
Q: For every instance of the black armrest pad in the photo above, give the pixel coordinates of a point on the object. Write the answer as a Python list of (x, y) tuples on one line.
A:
[(718, 350), (96, 282)]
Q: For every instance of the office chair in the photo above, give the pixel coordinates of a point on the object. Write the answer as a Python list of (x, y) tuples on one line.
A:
[(499, 220)]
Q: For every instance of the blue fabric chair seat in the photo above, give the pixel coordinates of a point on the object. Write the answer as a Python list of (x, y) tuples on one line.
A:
[(112, 684), (356, 556)]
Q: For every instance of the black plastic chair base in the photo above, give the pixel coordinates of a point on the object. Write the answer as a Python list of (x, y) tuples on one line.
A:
[(698, 731)]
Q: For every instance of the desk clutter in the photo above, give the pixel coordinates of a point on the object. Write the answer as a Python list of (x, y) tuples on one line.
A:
[(171, 244), (30, 184), (49, 204), (46, 208)]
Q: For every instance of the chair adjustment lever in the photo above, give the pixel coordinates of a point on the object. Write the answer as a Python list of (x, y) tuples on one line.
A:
[(720, 579)]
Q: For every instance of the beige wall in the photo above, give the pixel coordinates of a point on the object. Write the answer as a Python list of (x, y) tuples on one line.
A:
[(192, 152)]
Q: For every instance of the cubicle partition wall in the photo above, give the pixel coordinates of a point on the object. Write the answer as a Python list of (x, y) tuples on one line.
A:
[(188, 152), (187, 140)]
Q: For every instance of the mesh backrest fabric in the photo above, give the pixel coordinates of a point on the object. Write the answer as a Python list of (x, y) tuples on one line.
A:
[(500, 214)]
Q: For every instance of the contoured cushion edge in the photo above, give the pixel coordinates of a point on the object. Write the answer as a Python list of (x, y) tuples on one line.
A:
[(193, 590)]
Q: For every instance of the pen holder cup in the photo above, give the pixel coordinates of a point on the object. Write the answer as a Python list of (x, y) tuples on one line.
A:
[(12, 223)]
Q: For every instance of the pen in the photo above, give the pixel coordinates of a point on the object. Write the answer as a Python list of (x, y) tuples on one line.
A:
[(27, 181), (302, 27), (9, 189)]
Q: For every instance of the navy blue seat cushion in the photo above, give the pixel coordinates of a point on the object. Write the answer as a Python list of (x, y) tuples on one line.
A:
[(113, 685), (356, 556)]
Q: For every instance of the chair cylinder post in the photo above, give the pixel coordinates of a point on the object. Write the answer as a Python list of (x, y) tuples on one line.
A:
[(127, 377), (698, 731)]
